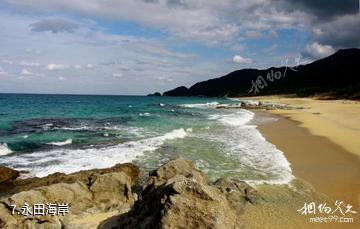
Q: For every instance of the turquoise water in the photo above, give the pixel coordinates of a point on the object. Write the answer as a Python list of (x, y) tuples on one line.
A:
[(43, 134)]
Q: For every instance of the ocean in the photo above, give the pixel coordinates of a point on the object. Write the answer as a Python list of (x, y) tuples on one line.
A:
[(43, 134)]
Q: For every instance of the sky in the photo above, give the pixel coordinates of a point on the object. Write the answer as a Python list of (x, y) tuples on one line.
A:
[(135, 47)]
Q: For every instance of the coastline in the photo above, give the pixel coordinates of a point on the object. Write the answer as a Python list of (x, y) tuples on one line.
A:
[(337, 120), (327, 166), (324, 172), (318, 164), (330, 167)]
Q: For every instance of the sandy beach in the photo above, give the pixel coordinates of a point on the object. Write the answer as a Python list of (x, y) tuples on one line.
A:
[(337, 120), (321, 142)]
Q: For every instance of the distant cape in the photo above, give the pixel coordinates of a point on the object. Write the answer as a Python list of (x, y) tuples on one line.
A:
[(337, 75)]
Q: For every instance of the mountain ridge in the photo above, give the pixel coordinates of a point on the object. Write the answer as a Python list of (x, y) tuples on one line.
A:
[(337, 74)]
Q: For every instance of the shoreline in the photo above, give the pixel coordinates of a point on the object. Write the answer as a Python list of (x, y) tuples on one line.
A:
[(336, 120), (328, 167)]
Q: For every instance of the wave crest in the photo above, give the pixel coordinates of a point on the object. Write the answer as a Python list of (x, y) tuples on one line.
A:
[(4, 149), (66, 142)]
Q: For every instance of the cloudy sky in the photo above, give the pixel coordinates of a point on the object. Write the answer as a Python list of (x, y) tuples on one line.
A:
[(142, 46)]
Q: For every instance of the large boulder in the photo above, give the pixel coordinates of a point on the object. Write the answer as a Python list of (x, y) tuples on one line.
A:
[(87, 193), (178, 196), (7, 175)]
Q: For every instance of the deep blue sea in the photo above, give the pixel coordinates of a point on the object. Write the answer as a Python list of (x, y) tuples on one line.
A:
[(43, 134)]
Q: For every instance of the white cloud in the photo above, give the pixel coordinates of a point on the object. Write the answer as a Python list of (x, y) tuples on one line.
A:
[(90, 66), (2, 71), (29, 64), (163, 78), (52, 67), (118, 75), (209, 22), (214, 23), (25, 72), (241, 60), (317, 50), (61, 78), (7, 61)]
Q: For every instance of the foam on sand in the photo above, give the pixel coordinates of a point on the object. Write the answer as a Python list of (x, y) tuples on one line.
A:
[(71, 160), (234, 119), (244, 143), (4, 149)]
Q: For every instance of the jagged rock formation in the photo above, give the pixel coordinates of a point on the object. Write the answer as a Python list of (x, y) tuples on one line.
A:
[(178, 196), (86, 192)]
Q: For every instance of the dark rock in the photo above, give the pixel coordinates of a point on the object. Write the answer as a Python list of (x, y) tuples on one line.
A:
[(98, 191), (155, 94), (178, 196), (8, 175), (81, 176)]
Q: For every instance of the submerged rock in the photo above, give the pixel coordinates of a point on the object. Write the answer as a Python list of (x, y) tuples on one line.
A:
[(178, 196), (85, 192), (8, 175)]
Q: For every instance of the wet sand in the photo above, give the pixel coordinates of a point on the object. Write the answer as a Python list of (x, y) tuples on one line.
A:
[(328, 167), (337, 120)]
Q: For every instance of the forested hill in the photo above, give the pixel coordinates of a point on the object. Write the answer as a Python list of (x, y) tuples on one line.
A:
[(338, 74)]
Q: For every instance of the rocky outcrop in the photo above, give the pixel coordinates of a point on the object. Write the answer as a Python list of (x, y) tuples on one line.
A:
[(7, 175), (86, 193), (253, 105), (155, 94), (178, 196), (82, 176)]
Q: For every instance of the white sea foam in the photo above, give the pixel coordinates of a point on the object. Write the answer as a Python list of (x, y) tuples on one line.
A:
[(146, 114), (246, 101), (234, 119), (70, 160), (243, 142), (201, 105), (66, 142), (4, 149), (126, 129), (47, 126)]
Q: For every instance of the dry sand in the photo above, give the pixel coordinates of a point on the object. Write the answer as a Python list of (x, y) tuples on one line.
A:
[(328, 167), (322, 143), (337, 120)]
